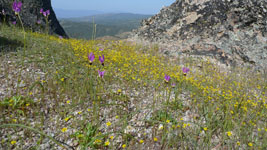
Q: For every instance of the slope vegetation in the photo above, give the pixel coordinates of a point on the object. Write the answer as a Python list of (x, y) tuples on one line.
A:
[(55, 94)]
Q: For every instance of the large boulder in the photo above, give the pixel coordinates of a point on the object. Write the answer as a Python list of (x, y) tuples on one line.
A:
[(233, 31), (30, 15)]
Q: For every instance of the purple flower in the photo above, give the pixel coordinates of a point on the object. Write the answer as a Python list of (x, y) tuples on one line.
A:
[(185, 70), (91, 58), (60, 37), (173, 85), (3, 12), (45, 13), (167, 78), (101, 59), (48, 12), (17, 7), (101, 49), (38, 21), (41, 11), (14, 22), (101, 73)]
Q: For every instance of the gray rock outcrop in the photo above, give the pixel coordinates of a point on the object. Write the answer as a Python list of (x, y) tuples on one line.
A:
[(233, 31), (30, 14)]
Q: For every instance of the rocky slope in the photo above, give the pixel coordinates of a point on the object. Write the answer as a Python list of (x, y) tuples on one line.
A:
[(233, 31), (30, 14)]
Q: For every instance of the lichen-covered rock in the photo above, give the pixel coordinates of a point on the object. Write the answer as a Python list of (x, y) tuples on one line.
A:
[(234, 31), (31, 16)]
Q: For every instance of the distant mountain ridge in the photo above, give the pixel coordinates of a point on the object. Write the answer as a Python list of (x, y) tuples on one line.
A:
[(64, 13), (108, 18), (111, 24)]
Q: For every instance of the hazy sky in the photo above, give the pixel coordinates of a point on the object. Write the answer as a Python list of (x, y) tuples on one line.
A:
[(133, 6)]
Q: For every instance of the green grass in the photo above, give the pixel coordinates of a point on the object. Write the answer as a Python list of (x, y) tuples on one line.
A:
[(54, 90)]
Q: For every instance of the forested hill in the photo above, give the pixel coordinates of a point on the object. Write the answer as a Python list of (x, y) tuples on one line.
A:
[(107, 24)]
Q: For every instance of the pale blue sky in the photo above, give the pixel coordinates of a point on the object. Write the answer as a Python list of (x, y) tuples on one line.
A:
[(132, 6)]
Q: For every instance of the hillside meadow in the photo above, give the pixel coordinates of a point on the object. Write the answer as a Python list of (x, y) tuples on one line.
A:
[(60, 93)]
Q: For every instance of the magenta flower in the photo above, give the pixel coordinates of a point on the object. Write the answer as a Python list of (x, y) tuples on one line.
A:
[(41, 11), (48, 12), (101, 73), (14, 22), (17, 7), (185, 70), (91, 58), (45, 13), (101, 59), (167, 78)]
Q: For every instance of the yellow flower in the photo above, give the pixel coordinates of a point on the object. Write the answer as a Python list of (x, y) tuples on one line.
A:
[(13, 142), (141, 141), (205, 129), (68, 101), (167, 121), (80, 135), (119, 91), (30, 93), (111, 137), (155, 139), (108, 123), (229, 133), (88, 109), (67, 119), (124, 146), (27, 104), (64, 130), (250, 144), (14, 120), (62, 79), (117, 117), (107, 143), (238, 143), (97, 141), (79, 112)]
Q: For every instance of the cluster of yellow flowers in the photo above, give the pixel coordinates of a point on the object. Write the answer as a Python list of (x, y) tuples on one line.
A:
[(236, 96)]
